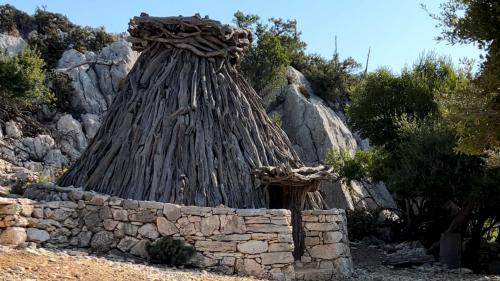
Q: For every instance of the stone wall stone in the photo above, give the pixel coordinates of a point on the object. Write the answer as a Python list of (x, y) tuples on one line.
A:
[(326, 243), (255, 242)]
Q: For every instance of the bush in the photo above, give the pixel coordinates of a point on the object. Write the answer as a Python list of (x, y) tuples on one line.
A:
[(169, 251), (61, 85), (362, 165), (361, 223), (22, 78), (331, 80), (54, 33), (277, 45)]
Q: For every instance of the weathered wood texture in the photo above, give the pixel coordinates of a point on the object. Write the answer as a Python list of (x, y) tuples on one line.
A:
[(299, 187), (185, 127)]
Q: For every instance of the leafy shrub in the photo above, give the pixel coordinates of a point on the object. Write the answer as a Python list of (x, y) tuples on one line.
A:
[(19, 187), (22, 78), (53, 33), (361, 223), (333, 79), (363, 164), (277, 45), (61, 85), (15, 22), (169, 251)]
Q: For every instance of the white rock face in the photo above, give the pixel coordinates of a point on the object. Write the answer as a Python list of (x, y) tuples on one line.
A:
[(12, 130), (11, 45), (97, 83), (314, 128), (38, 146), (73, 139)]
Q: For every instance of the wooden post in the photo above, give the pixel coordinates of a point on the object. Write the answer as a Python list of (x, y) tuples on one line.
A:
[(294, 200)]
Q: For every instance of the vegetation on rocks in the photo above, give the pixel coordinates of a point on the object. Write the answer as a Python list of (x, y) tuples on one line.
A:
[(22, 78)]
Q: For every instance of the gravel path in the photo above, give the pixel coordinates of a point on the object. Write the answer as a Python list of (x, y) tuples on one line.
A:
[(368, 267)]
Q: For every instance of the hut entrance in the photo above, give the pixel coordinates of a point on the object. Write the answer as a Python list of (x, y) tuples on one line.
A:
[(287, 189), (275, 197)]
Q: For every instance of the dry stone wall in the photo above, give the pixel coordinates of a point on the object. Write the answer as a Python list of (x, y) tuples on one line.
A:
[(326, 243), (255, 242)]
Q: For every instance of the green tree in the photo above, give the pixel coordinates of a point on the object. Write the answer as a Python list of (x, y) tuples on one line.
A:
[(332, 80), (22, 78), (275, 48), (475, 111), (383, 97)]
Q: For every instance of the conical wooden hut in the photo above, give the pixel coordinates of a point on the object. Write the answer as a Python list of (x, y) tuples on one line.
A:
[(186, 128)]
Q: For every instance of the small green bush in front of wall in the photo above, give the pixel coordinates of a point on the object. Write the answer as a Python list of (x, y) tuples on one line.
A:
[(169, 251)]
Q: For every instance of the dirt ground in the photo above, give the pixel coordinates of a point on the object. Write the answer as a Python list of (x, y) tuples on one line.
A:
[(40, 264), (43, 264)]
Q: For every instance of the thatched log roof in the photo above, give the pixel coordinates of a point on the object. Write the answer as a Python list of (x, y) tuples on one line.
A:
[(288, 177), (203, 36)]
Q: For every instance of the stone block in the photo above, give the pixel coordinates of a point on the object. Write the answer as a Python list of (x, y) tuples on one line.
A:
[(98, 199), (281, 247), (251, 212), (151, 205), (129, 204), (139, 249), (13, 236), (105, 213), (327, 251), (231, 237), (143, 216), (196, 211), (127, 243), (171, 211), (232, 224), (101, 241), (253, 247), (215, 246), (277, 257), (165, 227), (332, 237), (14, 209), (119, 214), (37, 235), (149, 230), (269, 228), (330, 226), (209, 224)]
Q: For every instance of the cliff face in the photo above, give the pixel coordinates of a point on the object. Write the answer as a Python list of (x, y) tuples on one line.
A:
[(314, 128)]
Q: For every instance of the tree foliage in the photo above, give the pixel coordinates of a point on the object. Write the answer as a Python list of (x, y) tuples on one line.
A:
[(22, 78), (383, 97), (275, 47), (333, 80), (475, 111), (52, 33)]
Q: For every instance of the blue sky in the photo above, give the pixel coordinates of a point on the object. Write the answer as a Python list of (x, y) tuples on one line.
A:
[(397, 31)]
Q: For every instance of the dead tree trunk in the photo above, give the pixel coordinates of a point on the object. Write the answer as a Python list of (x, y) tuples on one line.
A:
[(185, 127)]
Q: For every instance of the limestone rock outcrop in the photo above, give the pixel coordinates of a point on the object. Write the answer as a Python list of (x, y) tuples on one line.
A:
[(96, 77), (314, 128), (11, 45)]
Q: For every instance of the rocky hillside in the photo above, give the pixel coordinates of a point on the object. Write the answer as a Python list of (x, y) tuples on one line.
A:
[(95, 78)]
